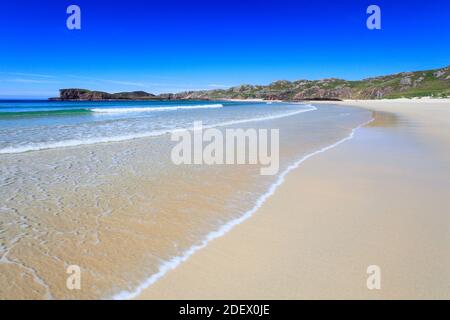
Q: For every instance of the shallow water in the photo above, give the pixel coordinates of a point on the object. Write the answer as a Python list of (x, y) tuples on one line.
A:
[(28, 126), (120, 210)]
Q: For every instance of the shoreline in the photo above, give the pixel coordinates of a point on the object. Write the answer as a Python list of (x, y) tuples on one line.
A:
[(381, 197), (227, 227), (215, 261), (129, 137), (131, 208)]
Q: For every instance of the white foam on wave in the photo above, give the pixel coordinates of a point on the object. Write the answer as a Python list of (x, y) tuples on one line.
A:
[(155, 109), (271, 117), (176, 261), (96, 140)]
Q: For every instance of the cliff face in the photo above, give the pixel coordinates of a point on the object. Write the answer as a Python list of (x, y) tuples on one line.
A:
[(82, 94), (87, 95), (406, 84)]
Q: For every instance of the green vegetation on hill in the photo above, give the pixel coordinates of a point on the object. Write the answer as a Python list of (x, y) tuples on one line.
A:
[(434, 83)]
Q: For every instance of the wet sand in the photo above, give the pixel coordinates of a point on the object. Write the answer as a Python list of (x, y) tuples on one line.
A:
[(122, 211), (381, 199)]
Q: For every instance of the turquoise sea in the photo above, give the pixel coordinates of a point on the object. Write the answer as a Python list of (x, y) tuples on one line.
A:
[(36, 125)]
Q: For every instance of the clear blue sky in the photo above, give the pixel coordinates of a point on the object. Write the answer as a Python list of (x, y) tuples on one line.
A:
[(167, 46)]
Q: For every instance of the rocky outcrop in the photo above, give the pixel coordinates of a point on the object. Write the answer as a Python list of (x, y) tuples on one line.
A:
[(405, 81), (134, 95), (88, 95), (439, 73), (316, 92), (82, 94), (406, 84)]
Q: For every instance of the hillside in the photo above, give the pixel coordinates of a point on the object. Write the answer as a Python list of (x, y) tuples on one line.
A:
[(406, 84), (88, 95), (435, 83)]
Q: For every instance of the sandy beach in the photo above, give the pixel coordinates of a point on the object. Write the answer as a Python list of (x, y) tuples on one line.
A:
[(381, 198), (123, 211), (175, 150)]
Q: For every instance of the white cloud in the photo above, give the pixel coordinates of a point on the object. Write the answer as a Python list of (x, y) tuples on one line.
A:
[(21, 80), (22, 74)]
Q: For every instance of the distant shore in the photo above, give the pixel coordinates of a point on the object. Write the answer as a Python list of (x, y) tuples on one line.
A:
[(380, 198), (435, 83)]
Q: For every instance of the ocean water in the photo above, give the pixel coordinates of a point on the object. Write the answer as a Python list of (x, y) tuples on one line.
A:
[(27, 126), (93, 185)]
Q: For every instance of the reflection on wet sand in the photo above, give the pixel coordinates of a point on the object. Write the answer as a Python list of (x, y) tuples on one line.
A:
[(119, 210)]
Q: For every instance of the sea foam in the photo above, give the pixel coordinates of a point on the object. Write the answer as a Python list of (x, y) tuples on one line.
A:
[(176, 261), (155, 109), (119, 138)]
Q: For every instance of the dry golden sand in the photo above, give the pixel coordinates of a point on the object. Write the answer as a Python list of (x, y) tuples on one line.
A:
[(382, 198)]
